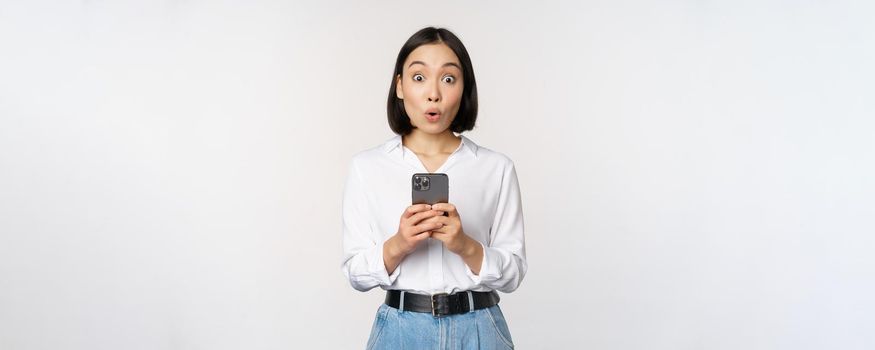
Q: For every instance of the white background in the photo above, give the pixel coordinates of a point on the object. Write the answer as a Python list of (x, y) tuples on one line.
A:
[(695, 174)]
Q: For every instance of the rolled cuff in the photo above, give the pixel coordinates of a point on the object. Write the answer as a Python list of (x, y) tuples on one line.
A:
[(377, 267), (489, 267)]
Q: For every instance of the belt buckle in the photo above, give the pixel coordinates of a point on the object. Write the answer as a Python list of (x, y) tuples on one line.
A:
[(435, 310)]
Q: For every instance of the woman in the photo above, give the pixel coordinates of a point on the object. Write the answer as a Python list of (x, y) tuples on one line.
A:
[(440, 264)]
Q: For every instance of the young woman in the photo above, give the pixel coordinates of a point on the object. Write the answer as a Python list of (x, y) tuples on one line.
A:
[(441, 264)]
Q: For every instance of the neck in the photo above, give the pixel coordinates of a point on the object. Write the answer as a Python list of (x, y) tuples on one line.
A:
[(424, 143)]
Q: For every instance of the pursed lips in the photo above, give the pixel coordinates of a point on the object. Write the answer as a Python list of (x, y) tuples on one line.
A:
[(433, 115)]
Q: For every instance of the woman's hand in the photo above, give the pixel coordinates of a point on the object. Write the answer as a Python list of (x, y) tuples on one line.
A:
[(412, 230), (451, 232), (456, 241)]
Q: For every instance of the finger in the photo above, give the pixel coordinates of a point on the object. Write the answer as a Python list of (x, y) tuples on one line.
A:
[(438, 218), (416, 233), (421, 235), (440, 225), (418, 217), (413, 209), (430, 226), (446, 207)]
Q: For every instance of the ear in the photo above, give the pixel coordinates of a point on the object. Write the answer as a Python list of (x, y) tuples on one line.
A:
[(398, 92)]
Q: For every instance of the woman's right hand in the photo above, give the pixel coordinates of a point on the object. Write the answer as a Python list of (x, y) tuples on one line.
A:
[(411, 232), (411, 229)]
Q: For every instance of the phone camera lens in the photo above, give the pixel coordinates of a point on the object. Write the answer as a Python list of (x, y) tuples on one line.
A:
[(420, 183)]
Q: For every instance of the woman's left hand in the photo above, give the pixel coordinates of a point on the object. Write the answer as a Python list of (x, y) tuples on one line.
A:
[(451, 233), (454, 238)]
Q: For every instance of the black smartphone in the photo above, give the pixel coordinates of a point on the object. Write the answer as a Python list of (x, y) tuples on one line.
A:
[(430, 188)]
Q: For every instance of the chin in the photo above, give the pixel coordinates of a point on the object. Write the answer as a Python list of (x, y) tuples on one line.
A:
[(431, 129), (436, 129)]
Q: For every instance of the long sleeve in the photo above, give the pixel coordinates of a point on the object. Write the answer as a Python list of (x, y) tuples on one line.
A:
[(362, 247), (504, 255)]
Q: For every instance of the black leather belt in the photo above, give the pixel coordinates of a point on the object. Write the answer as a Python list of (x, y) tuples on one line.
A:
[(442, 304)]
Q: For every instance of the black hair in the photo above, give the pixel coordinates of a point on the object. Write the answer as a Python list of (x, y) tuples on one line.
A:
[(467, 115)]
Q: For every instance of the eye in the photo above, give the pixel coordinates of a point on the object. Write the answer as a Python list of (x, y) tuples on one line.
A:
[(449, 79), (418, 77)]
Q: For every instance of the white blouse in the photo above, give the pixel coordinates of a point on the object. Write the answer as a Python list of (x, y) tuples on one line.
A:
[(485, 191)]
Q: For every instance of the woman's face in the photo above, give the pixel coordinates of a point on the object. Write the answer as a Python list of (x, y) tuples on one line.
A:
[(431, 87)]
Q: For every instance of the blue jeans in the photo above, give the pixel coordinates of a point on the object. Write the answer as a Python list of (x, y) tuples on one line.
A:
[(478, 329)]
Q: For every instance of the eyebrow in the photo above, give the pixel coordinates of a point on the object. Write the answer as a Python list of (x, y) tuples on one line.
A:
[(445, 64)]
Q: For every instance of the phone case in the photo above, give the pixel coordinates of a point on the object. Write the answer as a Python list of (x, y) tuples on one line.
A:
[(430, 188)]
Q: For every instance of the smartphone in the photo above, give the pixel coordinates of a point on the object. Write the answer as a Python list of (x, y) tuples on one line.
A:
[(430, 188)]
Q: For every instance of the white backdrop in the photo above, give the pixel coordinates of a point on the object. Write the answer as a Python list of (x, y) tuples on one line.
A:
[(695, 174)]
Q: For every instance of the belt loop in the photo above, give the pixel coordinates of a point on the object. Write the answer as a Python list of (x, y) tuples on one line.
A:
[(470, 301), (401, 303)]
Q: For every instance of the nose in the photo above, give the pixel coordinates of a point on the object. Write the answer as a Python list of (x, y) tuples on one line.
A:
[(434, 94)]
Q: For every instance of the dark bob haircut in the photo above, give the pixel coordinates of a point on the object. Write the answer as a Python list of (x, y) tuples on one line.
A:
[(465, 119)]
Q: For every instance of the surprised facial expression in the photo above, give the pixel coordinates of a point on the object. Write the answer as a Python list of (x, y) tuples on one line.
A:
[(431, 87)]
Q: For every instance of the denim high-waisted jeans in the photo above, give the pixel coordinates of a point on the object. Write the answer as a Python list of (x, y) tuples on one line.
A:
[(401, 330)]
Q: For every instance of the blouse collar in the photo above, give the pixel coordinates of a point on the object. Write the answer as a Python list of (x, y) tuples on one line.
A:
[(395, 144)]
